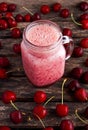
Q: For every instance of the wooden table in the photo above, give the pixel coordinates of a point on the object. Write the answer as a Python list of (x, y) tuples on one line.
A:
[(18, 81)]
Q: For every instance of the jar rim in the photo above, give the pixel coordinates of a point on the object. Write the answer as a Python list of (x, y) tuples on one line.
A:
[(48, 47)]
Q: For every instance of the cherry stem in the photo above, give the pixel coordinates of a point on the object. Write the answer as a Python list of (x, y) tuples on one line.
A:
[(48, 101), (76, 113), (63, 90), (27, 10), (17, 69), (13, 105), (40, 120), (72, 17)]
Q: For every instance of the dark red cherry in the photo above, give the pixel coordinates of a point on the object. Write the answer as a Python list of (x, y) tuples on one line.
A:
[(27, 17), (8, 15), (45, 9), (36, 16), (84, 43), (5, 128), (84, 16), (3, 74), (78, 51), (83, 6), (16, 117), (3, 24), (16, 33), (56, 7), (66, 125), (17, 48), (48, 128), (64, 13), (11, 22), (67, 32), (19, 18), (4, 62), (11, 7), (3, 7)]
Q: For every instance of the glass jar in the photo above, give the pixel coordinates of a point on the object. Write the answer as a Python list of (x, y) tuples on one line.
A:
[(44, 63)]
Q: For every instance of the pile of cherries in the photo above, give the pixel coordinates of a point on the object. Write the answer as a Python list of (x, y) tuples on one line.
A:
[(9, 21)]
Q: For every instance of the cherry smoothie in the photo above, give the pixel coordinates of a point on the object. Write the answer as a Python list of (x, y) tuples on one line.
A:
[(43, 53)]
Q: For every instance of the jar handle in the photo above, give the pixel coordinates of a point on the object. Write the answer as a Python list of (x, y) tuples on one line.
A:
[(69, 46)]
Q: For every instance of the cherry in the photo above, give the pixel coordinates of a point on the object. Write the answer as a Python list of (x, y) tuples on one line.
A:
[(27, 17), (4, 62), (67, 32), (45, 9), (76, 72), (8, 15), (40, 97), (84, 77), (16, 117), (3, 7), (17, 48), (62, 109), (80, 94), (64, 13), (3, 74), (40, 111), (86, 62), (36, 16), (56, 7), (73, 86), (84, 43), (16, 33), (77, 52), (11, 22), (86, 113), (3, 24), (4, 128), (8, 96), (48, 128), (84, 16), (11, 7), (83, 6), (19, 18), (66, 125)]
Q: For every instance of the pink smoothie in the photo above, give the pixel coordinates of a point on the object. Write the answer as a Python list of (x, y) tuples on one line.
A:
[(43, 67)]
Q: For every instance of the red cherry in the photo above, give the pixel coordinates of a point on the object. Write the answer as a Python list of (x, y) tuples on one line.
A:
[(83, 6), (36, 16), (3, 74), (84, 43), (40, 97), (84, 16), (4, 62), (11, 22), (45, 9), (56, 7), (48, 128), (86, 62), (62, 110), (27, 17), (80, 95), (11, 7), (85, 113), (78, 52), (64, 13), (67, 32), (4, 128), (84, 77), (3, 7), (17, 48), (19, 18), (8, 96), (76, 72), (66, 125), (73, 86), (16, 33), (3, 24), (16, 117), (40, 111), (84, 23), (8, 15)]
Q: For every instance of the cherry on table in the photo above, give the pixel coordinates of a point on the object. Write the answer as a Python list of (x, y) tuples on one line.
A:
[(11, 22), (3, 74), (16, 116), (76, 72), (16, 33), (81, 95), (11, 7), (67, 32), (78, 52), (19, 18), (66, 125), (84, 77), (84, 23), (8, 15), (84, 43), (40, 96), (56, 7), (8, 96), (83, 6), (5, 128), (3, 7), (3, 24), (36, 16), (27, 17), (17, 48), (64, 13), (4, 62), (40, 111), (84, 16), (48, 128), (45, 9)]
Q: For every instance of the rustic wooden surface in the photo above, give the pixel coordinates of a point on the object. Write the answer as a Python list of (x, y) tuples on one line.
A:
[(19, 83)]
